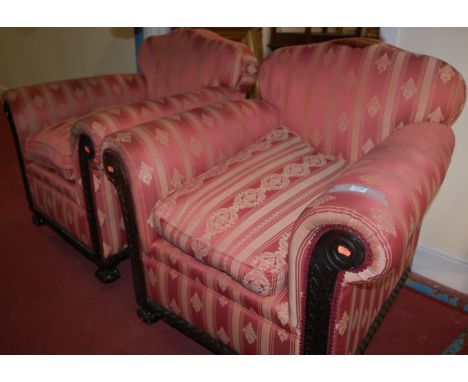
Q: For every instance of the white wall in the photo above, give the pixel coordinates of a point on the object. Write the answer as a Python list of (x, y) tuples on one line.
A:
[(443, 246)]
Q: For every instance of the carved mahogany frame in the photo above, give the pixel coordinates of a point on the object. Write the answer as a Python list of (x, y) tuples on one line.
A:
[(326, 262), (107, 271)]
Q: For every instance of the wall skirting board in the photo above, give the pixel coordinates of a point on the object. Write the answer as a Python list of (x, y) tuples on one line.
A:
[(447, 269)]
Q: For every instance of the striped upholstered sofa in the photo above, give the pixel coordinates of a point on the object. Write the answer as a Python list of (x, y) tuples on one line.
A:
[(59, 127), (286, 225)]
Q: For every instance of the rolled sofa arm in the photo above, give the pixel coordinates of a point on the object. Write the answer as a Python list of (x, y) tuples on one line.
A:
[(380, 200), (34, 107), (97, 125), (159, 156)]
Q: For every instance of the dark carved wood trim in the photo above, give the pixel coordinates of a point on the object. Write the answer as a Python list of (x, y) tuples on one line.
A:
[(86, 154), (382, 313), (116, 173), (204, 339), (107, 271), (325, 263), (19, 153)]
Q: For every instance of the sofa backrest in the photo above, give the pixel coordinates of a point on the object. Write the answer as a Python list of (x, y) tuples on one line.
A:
[(344, 97), (189, 59)]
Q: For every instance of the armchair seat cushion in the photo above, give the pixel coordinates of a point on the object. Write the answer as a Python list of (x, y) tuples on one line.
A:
[(238, 216), (51, 148)]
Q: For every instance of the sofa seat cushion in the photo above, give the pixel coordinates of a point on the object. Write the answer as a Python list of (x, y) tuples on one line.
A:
[(238, 216), (50, 147)]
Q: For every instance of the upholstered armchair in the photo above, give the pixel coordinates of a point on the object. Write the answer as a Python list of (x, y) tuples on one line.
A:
[(293, 220), (59, 127)]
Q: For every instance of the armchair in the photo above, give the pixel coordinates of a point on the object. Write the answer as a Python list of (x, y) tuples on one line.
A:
[(59, 127), (293, 220)]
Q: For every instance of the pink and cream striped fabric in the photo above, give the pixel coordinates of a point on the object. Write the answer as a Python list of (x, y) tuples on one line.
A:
[(238, 216), (51, 147), (273, 308), (399, 178), (164, 154), (179, 80), (201, 295), (63, 201), (226, 238), (60, 201), (190, 59), (39, 106), (109, 214), (98, 125), (345, 100)]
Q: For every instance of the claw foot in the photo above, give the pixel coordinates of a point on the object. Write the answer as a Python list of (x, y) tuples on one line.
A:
[(37, 219), (148, 316), (107, 275)]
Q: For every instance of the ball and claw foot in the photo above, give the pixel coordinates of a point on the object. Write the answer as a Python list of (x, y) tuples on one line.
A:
[(107, 275), (37, 220), (148, 316)]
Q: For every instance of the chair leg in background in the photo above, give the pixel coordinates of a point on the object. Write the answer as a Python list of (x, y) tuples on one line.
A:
[(107, 275), (37, 219), (148, 315)]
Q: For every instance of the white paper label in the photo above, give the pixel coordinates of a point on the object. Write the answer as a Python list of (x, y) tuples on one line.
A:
[(358, 189)]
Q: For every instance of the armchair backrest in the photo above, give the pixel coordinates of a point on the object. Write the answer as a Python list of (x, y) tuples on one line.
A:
[(189, 59), (345, 97)]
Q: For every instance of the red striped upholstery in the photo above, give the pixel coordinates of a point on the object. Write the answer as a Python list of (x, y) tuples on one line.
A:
[(63, 201), (60, 201), (193, 68), (56, 182), (238, 217), (109, 216), (345, 100), (220, 242), (39, 106), (189, 59), (164, 154), (98, 125), (403, 175), (50, 147), (238, 325), (273, 308)]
